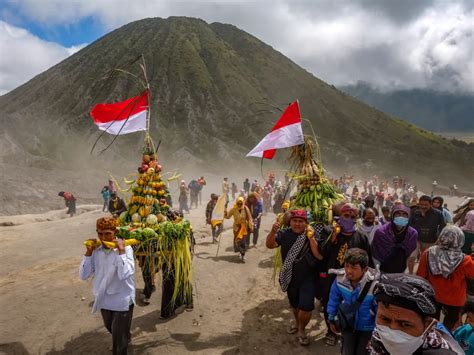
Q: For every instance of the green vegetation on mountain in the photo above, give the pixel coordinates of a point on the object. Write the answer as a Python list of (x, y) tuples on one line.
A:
[(207, 82)]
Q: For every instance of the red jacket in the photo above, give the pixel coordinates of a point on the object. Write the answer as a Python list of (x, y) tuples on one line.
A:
[(450, 291)]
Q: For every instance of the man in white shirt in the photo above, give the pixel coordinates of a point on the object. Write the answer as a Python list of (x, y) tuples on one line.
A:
[(113, 283)]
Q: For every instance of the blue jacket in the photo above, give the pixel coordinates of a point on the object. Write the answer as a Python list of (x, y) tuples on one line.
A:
[(342, 291), (256, 209)]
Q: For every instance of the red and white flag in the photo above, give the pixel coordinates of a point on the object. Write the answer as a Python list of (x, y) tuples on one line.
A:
[(122, 117), (287, 132)]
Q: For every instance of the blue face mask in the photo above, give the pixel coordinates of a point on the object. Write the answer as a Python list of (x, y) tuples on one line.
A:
[(400, 221)]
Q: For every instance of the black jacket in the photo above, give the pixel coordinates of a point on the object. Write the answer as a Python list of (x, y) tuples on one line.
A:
[(334, 251), (428, 226)]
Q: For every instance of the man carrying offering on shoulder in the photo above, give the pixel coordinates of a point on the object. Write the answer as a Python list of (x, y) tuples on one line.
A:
[(113, 282), (300, 256)]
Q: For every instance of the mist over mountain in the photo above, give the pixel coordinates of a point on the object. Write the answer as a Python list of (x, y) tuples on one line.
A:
[(214, 88), (433, 110)]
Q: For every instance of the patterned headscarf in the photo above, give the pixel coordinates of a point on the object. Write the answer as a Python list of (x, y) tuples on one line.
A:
[(468, 226), (446, 255), (406, 291), (106, 223)]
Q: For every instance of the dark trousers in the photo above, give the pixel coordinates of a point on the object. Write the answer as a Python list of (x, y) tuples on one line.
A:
[(167, 305), (71, 208), (256, 228), (325, 284), (217, 230), (241, 245), (355, 342), (118, 323), (451, 315), (194, 200), (149, 267)]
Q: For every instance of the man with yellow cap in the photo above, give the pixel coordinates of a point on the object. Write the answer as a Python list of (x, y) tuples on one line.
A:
[(242, 225), (113, 282)]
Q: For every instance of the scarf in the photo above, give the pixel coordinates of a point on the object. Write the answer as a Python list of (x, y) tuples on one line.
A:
[(447, 255), (468, 226), (406, 291), (286, 272)]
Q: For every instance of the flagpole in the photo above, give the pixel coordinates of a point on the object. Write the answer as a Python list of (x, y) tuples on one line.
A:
[(143, 66)]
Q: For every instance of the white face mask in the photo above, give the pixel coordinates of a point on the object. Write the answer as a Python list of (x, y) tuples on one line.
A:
[(398, 342)]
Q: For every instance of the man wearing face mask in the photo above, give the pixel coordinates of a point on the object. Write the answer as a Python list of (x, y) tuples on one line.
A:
[(404, 323), (394, 242), (334, 248)]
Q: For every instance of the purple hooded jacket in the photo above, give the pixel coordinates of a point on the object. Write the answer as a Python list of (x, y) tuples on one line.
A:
[(384, 239)]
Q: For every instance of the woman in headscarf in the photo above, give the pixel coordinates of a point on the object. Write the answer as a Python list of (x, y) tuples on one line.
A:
[(243, 225), (446, 267), (437, 203), (404, 323), (460, 213), (394, 242), (183, 197), (468, 248), (468, 229)]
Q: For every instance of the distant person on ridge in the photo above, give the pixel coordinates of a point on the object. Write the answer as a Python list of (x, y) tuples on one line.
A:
[(434, 187), (183, 197), (234, 190), (254, 186), (202, 182), (106, 196), (226, 189), (247, 186), (194, 189), (70, 202)]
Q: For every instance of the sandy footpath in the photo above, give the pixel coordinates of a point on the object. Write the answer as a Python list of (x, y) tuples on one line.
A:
[(45, 307)]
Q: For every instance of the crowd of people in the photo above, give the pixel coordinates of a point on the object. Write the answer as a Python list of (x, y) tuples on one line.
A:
[(390, 276), (398, 284)]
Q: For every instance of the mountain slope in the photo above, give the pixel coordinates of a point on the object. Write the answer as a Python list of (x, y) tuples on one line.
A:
[(207, 82), (432, 110)]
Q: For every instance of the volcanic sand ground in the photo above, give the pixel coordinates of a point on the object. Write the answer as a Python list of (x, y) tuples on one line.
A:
[(45, 307)]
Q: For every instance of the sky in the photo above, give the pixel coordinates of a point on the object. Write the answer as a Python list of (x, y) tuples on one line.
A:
[(391, 44)]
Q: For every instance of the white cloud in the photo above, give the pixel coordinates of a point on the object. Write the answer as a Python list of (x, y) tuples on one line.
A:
[(423, 43), (24, 55)]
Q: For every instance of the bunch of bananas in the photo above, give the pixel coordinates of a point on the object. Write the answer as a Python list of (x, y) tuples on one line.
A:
[(111, 245), (319, 199)]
